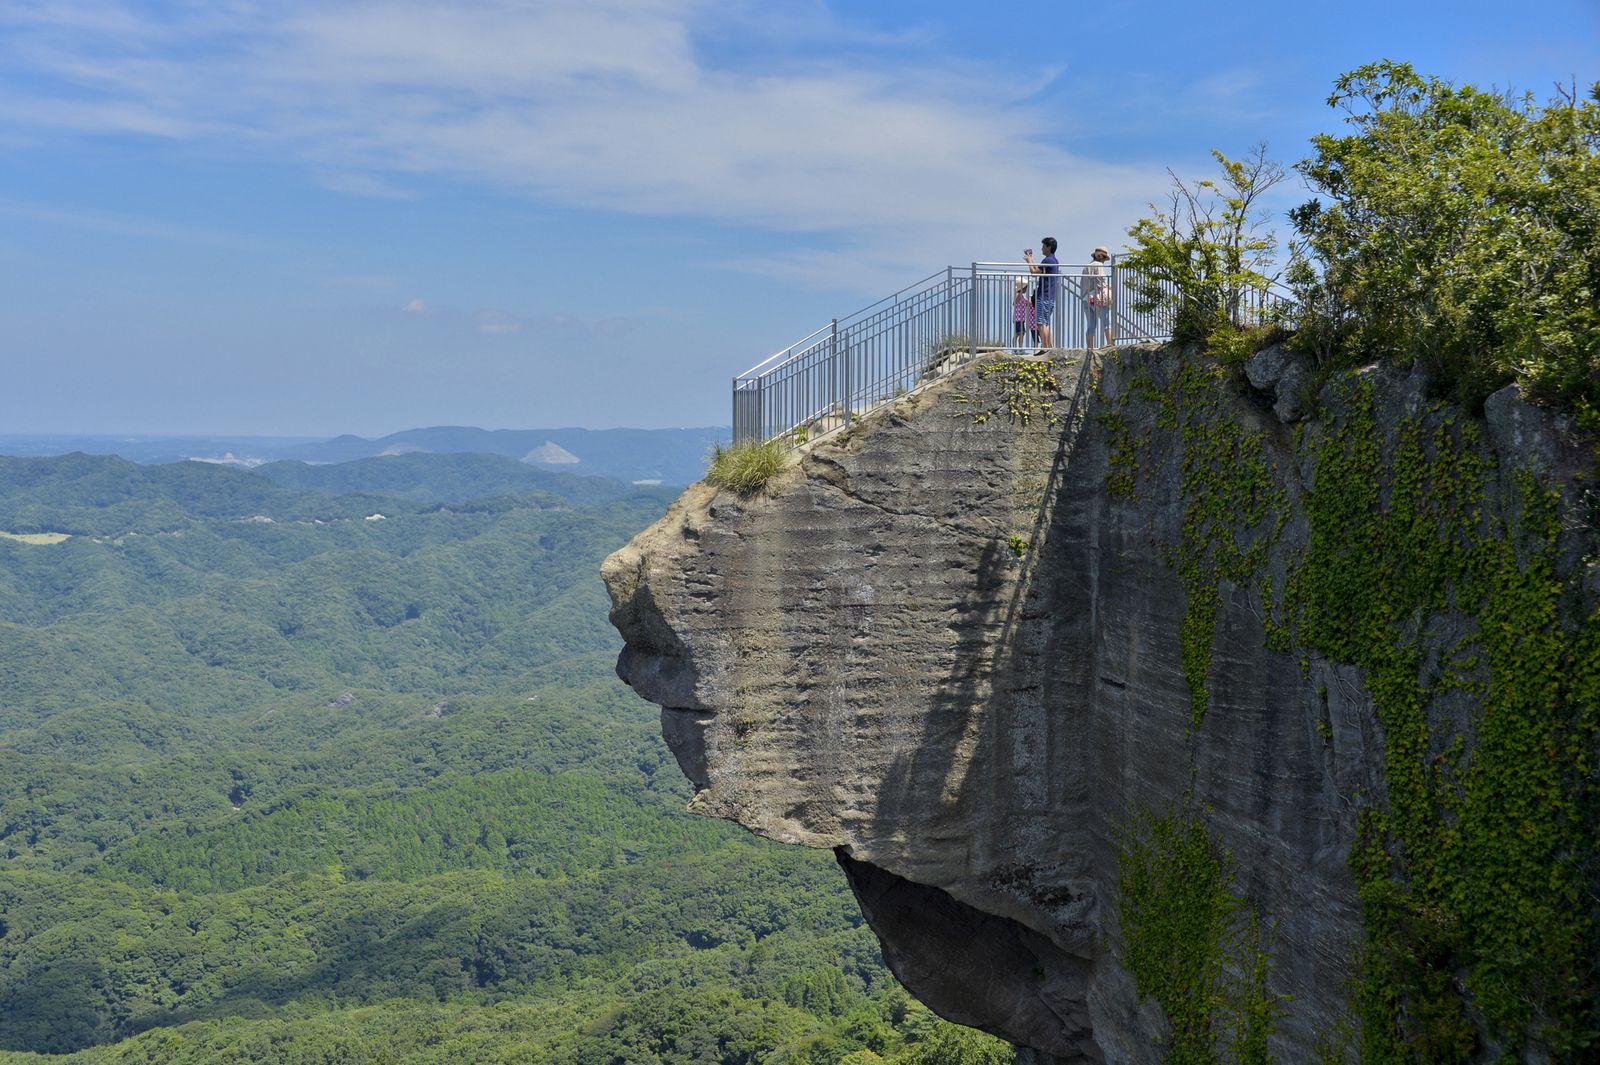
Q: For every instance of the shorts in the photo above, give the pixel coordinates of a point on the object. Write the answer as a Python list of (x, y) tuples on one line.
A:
[(1044, 311), (1098, 316)]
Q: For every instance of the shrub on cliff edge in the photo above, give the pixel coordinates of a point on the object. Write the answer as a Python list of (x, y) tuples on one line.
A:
[(745, 468), (1207, 253)]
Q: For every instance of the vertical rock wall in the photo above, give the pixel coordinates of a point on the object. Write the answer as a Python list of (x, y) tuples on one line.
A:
[(958, 645)]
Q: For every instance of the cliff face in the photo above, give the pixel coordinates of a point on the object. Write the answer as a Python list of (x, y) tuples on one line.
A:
[(1067, 676)]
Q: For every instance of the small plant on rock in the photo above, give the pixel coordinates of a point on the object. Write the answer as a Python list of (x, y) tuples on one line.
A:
[(745, 468)]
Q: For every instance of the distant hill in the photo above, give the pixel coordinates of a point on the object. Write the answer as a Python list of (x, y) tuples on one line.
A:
[(152, 449), (104, 495), (671, 456), (452, 478)]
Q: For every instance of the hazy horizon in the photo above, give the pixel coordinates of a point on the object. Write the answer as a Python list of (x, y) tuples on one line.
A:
[(131, 435)]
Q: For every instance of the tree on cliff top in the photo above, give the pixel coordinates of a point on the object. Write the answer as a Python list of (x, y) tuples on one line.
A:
[(1207, 249), (1452, 226), (1461, 228)]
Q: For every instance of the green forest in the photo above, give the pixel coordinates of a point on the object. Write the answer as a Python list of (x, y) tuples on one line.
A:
[(328, 764)]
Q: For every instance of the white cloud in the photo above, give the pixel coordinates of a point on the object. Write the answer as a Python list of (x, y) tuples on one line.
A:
[(888, 162), (415, 306)]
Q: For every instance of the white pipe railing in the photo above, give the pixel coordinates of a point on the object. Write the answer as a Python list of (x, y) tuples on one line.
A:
[(902, 342)]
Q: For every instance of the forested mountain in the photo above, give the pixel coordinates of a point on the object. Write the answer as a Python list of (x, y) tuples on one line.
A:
[(442, 478), (326, 764)]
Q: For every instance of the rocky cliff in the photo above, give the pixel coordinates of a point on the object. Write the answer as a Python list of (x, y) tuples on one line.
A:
[(1165, 714)]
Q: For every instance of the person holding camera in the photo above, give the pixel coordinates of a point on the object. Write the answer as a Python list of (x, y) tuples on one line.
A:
[(1044, 301)]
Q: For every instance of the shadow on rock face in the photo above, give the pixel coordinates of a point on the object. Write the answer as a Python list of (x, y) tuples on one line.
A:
[(1010, 979), (858, 662), (944, 649)]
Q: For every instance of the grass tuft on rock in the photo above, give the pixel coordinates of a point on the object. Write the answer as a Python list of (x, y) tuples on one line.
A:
[(745, 468)]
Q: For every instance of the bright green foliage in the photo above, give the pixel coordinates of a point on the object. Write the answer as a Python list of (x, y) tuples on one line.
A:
[(87, 962), (1122, 464), (953, 1045), (1191, 941), (1206, 252), (678, 1026), (745, 468), (1192, 944), (1477, 862), (1232, 507), (1028, 388), (1255, 1009), (540, 824), (324, 789), (1233, 511), (1454, 227), (1461, 228), (1476, 870)]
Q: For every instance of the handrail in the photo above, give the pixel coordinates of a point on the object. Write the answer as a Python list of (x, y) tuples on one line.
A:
[(906, 340), (758, 366)]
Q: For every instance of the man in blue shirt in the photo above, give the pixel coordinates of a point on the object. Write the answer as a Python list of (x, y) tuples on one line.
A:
[(1044, 302)]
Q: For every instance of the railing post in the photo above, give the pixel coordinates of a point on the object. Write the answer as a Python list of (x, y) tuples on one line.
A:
[(949, 311), (846, 369), (1116, 301), (833, 367), (749, 421), (972, 324)]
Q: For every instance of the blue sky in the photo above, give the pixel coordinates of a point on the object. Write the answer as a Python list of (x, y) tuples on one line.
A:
[(306, 218)]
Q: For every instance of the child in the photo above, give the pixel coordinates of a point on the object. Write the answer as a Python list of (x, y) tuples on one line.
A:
[(1023, 322)]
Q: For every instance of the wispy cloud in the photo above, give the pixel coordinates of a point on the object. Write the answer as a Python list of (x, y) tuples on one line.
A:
[(358, 184), (611, 104), (498, 322), (117, 224)]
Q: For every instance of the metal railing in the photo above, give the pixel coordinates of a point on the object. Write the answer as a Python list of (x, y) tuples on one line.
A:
[(856, 364)]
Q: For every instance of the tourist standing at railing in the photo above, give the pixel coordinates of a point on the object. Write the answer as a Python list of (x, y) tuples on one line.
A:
[(1044, 302), (1095, 288), (1024, 323)]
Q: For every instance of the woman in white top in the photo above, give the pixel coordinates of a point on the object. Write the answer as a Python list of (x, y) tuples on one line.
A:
[(1095, 288)]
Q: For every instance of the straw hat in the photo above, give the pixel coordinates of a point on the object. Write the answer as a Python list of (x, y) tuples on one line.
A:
[(1102, 250)]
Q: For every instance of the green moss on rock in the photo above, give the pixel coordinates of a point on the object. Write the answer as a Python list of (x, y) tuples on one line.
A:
[(1192, 943), (1437, 574), (1470, 874)]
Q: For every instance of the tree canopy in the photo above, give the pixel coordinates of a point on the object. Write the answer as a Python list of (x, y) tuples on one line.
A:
[(328, 789)]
